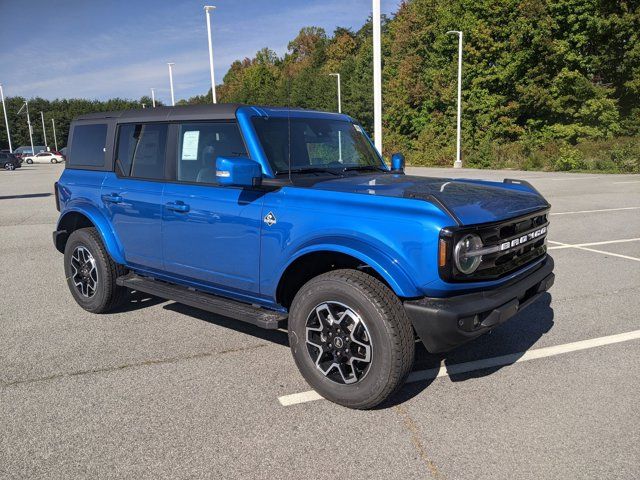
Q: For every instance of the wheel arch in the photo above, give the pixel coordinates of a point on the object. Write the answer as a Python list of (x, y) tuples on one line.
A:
[(75, 218), (316, 260)]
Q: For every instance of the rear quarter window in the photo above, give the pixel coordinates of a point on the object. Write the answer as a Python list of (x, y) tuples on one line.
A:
[(88, 145)]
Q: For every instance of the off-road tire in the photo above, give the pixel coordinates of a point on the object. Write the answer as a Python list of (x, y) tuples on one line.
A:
[(391, 335), (108, 295)]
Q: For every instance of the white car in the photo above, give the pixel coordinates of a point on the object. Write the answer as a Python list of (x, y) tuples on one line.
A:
[(44, 157)]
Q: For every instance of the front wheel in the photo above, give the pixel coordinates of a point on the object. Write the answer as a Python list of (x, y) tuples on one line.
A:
[(9, 166), (29, 161), (53, 160), (91, 273), (351, 338)]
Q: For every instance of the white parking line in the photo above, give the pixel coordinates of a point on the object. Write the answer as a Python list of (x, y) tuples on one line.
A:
[(466, 367), (570, 179), (596, 211), (567, 245), (592, 244), (619, 183)]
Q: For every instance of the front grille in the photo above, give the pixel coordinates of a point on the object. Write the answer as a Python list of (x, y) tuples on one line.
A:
[(502, 262)]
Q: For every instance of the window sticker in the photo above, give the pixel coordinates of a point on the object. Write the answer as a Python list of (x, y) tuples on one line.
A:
[(357, 127), (190, 145)]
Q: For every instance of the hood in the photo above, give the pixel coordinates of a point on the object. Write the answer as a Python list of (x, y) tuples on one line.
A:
[(471, 201)]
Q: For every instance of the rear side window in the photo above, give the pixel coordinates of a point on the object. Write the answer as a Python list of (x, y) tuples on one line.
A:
[(88, 145), (141, 150)]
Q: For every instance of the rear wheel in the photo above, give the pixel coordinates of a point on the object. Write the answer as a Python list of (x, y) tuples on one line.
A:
[(29, 161), (351, 338), (54, 160), (91, 273), (9, 166)]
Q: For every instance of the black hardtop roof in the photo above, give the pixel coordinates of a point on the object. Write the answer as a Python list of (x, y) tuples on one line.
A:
[(219, 111)]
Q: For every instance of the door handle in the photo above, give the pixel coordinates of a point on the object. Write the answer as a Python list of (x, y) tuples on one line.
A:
[(112, 198), (178, 206)]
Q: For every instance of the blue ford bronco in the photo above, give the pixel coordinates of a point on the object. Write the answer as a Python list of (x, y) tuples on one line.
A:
[(278, 216)]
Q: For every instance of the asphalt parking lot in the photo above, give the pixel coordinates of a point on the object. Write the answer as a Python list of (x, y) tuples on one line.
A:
[(160, 390)]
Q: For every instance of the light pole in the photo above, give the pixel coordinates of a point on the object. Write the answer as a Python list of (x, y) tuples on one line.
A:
[(173, 100), (207, 9), (55, 139), (6, 122), (377, 77), (337, 75), (26, 104), (44, 130), (458, 162), (153, 97)]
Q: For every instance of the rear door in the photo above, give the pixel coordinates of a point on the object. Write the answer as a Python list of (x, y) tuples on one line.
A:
[(211, 234), (132, 195)]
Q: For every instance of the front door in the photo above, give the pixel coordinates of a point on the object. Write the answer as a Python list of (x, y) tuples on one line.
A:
[(211, 234)]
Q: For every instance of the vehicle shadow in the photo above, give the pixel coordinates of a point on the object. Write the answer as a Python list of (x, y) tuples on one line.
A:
[(136, 301), (512, 338), (25, 195), (276, 336)]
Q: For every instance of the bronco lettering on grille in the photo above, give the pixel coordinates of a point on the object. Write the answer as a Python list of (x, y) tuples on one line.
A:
[(526, 238)]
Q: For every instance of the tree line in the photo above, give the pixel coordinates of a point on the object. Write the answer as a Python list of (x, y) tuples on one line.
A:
[(547, 84)]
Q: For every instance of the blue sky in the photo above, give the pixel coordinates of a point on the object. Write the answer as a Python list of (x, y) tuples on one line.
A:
[(103, 49)]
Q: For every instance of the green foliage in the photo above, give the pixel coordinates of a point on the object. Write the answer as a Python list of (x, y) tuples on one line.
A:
[(540, 78), (547, 84), (62, 111), (570, 158)]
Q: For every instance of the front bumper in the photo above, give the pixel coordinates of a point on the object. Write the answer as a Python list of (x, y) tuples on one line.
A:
[(444, 323)]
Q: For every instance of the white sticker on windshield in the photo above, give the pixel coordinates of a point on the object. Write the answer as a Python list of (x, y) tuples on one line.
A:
[(190, 145), (358, 128)]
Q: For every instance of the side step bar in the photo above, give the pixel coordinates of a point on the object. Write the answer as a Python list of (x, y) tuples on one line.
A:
[(211, 303)]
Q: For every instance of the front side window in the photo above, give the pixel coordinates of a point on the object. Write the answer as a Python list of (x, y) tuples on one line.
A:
[(200, 144), (141, 150), (88, 145), (309, 143)]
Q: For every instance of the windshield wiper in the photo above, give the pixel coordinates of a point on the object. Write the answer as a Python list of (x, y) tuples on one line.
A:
[(365, 167), (332, 171)]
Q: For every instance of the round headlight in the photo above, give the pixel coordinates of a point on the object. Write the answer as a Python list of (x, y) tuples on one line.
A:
[(465, 263)]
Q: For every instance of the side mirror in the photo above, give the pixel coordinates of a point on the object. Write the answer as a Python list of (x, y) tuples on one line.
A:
[(238, 171), (397, 163)]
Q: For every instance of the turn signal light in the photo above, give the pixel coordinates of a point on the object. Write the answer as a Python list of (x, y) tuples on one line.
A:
[(442, 253)]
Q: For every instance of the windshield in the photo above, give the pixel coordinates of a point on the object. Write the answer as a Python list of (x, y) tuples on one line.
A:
[(315, 144)]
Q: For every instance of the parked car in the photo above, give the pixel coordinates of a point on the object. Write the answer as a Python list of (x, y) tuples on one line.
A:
[(63, 152), (9, 161), (24, 151), (44, 157), (270, 214)]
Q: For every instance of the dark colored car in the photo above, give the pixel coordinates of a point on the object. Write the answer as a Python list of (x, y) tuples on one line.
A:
[(8, 161)]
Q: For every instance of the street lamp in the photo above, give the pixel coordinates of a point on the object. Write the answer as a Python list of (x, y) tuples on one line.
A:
[(44, 130), (377, 77), (173, 100), (153, 97), (55, 139), (458, 162), (6, 122), (26, 104), (337, 75), (207, 9)]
